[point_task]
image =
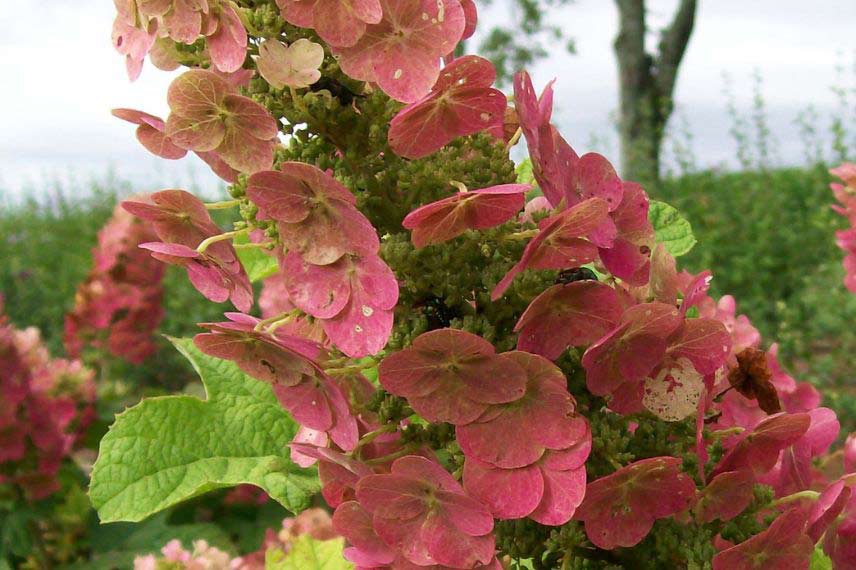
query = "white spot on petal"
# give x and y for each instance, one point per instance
(358, 329)
(397, 74)
(367, 311)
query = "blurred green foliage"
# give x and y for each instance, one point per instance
(46, 252)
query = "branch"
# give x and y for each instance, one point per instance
(633, 63)
(673, 46)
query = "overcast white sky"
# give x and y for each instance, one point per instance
(61, 77)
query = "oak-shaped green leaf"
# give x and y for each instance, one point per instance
(309, 554)
(169, 449)
(671, 229)
(258, 263)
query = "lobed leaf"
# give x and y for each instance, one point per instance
(169, 449)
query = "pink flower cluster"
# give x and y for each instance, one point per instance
(202, 557)
(119, 305)
(45, 407)
(139, 24)
(332, 270)
(524, 443)
(846, 239)
(598, 216)
(315, 523)
(397, 44)
(228, 131)
(779, 450)
(182, 223)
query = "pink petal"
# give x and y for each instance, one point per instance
(228, 45)
(576, 314)
(563, 493)
(508, 493)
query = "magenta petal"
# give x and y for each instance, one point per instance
(465, 513)
(758, 450)
(344, 431)
(319, 290)
(228, 45)
(480, 209)
(354, 523)
(726, 496)
(307, 402)
(508, 493)
(705, 342)
(576, 314)
(450, 547)
(782, 545)
(460, 103)
(518, 433)
(405, 65)
(563, 493)
(451, 375)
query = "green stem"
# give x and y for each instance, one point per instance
(265, 322)
(514, 139)
(225, 204)
(288, 318)
(807, 494)
(222, 237)
(253, 245)
(373, 435)
(406, 450)
(525, 234)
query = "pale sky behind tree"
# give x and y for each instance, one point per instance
(61, 77)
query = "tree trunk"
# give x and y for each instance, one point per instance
(647, 83)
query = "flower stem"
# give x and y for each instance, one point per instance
(406, 450)
(225, 204)
(525, 234)
(272, 320)
(514, 139)
(459, 185)
(286, 319)
(807, 494)
(373, 435)
(221, 237)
